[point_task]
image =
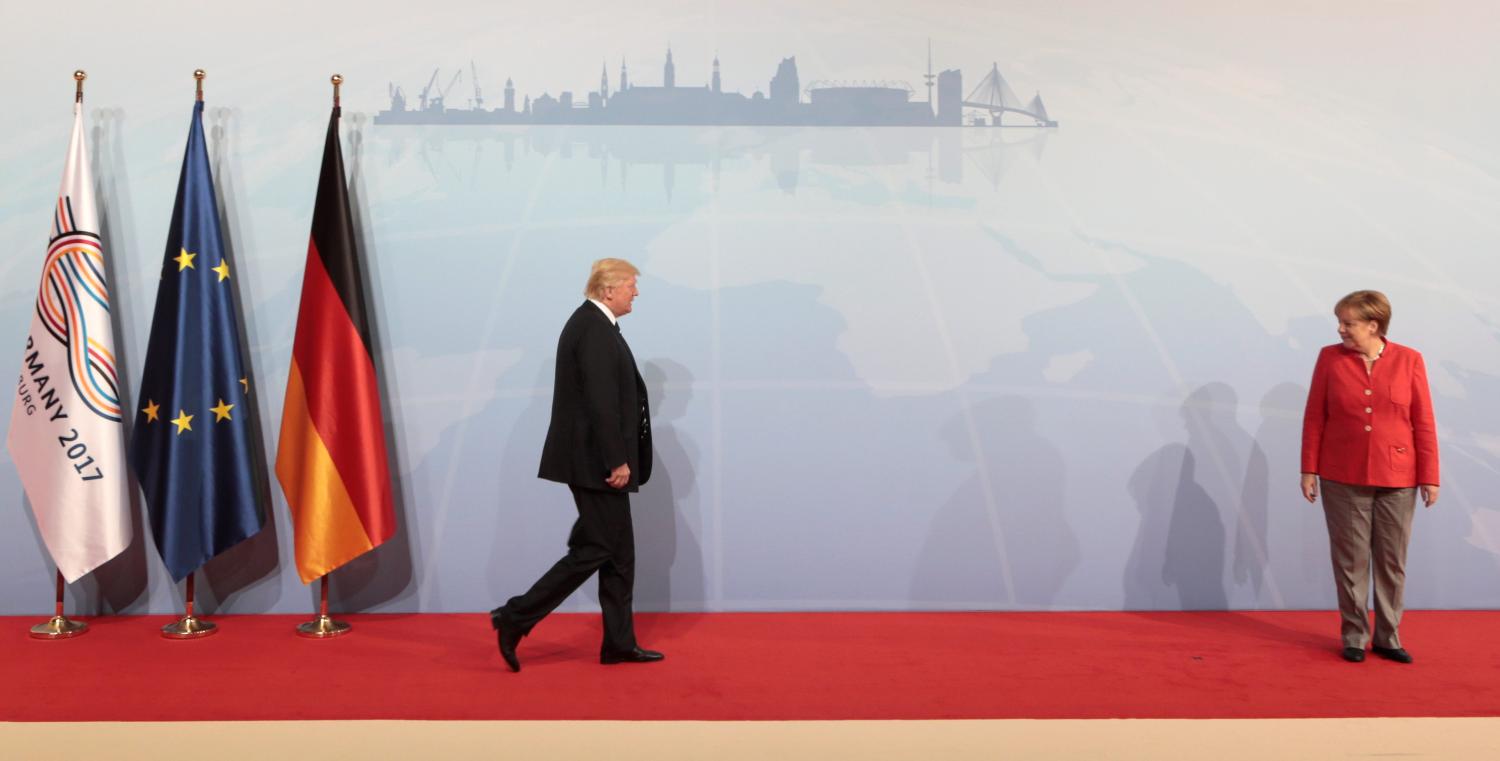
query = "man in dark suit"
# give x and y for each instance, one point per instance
(599, 444)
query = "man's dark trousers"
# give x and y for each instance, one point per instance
(602, 540)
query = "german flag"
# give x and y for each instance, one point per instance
(331, 460)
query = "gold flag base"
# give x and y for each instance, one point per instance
(322, 627)
(59, 627)
(189, 627)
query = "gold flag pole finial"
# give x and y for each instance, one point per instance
(336, 79)
(199, 74)
(79, 76)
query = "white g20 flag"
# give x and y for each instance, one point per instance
(65, 433)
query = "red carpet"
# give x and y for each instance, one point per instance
(757, 666)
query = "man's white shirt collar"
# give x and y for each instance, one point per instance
(611, 315)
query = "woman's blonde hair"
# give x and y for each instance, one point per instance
(606, 273)
(1367, 305)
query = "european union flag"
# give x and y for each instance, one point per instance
(191, 447)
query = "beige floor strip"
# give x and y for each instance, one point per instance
(1223, 739)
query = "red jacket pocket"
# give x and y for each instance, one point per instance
(1401, 459)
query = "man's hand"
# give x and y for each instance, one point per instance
(1429, 494)
(1310, 487)
(619, 478)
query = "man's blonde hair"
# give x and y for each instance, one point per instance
(607, 273)
(1367, 305)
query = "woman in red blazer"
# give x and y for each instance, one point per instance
(1368, 436)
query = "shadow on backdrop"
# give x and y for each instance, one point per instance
(1008, 518)
(1251, 563)
(1295, 528)
(1180, 542)
(668, 510)
(385, 574)
(247, 570)
(1193, 558)
(1153, 487)
(1219, 449)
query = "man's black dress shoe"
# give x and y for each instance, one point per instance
(507, 638)
(1354, 654)
(1397, 654)
(631, 656)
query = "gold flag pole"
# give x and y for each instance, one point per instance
(189, 626)
(60, 626)
(323, 626)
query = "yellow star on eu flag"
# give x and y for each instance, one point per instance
(221, 412)
(246, 383)
(184, 260)
(223, 270)
(151, 409)
(183, 421)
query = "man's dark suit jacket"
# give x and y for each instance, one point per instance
(599, 415)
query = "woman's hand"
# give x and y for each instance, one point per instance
(1310, 487)
(1429, 494)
